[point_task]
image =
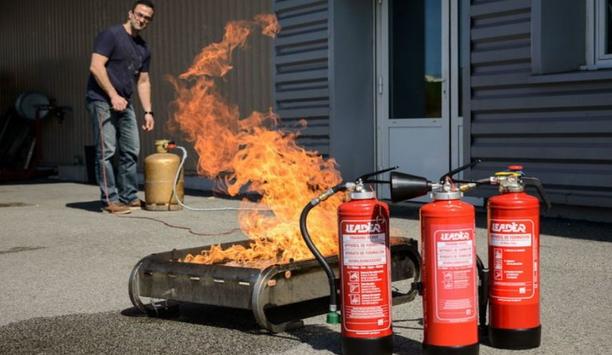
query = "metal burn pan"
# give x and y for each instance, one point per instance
(262, 290)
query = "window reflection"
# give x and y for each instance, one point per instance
(608, 34)
(415, 59)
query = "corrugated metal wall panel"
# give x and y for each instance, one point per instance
(301, 70)
(496, 8)
(46, 46)
(561, 130)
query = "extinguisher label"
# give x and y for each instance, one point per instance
(366, 290)
(365, 250)
(514, 259)
(455, 275)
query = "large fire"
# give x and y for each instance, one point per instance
(253, 155)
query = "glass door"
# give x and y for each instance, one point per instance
(413, 104)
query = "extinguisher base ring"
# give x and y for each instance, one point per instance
(515, 339)
(365, 346)
(472, 349)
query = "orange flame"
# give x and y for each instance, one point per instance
(269, 24)
(254, 156)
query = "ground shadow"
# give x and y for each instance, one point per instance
(213, 316)
(100, 333)
(483, 335)
(317, 336)
(403, 345)
(243, 321)
(401, 323)
(31, 181)
(94, 206)
(91, 206)
(323, 338)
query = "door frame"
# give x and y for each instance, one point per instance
(456, 136)
(449, 120)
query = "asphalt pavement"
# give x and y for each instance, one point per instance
(64, 270)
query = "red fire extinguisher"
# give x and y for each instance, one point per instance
(365, 274)
(448, 262)
(449, 275)
(514, 261)
(365, 269)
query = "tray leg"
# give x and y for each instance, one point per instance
(152, 308)
(260, 299)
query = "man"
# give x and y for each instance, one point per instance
(120, 63)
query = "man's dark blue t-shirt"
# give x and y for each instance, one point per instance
(127, 57)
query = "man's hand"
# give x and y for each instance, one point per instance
(149, 122)
(119, 103)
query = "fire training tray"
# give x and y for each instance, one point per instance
(162, 277)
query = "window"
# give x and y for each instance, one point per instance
(563, 31)
(558, 39)
(599, 34)
(415, 59)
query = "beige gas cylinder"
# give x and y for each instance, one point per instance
(160, 171)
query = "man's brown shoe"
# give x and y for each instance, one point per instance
(134, 204)
(116, 208)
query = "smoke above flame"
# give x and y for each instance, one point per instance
(252, 154)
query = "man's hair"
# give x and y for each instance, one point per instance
(146, 3)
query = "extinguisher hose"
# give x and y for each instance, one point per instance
(332, 316)
(483, 292)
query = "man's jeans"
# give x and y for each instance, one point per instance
(115, 132)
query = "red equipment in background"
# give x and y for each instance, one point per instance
(21, 132)
(449, 275)
(365, 275)
(514, 262)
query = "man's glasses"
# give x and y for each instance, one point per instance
(142, 16)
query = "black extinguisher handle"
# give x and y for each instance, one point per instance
(535, 182)
(366, 178)
(459, 169)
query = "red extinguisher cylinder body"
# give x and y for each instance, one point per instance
(449, 277)
(514, 270)
(365, 275)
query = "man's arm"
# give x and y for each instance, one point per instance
(98, 70)
(144, 94)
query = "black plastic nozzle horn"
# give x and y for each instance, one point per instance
(406, 186)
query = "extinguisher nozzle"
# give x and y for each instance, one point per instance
(333, 318)
(406, 186)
